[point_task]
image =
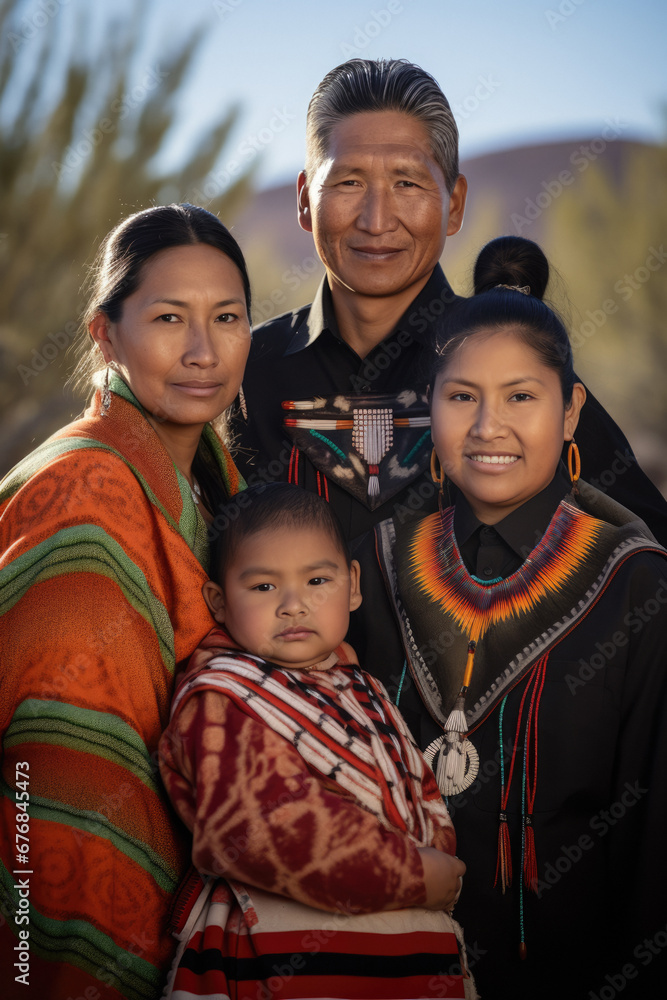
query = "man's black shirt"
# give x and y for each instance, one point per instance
(302, 355)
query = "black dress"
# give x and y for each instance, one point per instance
(583, 737)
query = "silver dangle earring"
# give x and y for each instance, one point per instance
(106, 395)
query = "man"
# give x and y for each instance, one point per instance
(334, 397)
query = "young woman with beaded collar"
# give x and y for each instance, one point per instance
(532, 616)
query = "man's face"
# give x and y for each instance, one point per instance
(378, 206)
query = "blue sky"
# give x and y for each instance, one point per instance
(518, 72)
(515, 72)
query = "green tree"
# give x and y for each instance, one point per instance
(607, 240)
(71, 166)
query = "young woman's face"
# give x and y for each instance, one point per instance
(182, 341)
(498, 422)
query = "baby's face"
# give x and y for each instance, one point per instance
(287, 596)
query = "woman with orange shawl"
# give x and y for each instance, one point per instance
(104, 535)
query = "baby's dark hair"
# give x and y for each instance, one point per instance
(520, 264)
(270, 506)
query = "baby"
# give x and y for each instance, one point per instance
(324, 852)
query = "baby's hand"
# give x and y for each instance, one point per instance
(442, 877)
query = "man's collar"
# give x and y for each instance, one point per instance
(319, 317)
(523, 528)
(420, 319)
(423, 316)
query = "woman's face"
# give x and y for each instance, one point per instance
(182, 341)
(498, 422)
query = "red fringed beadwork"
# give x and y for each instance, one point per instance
(530, 777)
(293, 470)
(504, 862)
(322, 486)
(529, 856)
(531, 695)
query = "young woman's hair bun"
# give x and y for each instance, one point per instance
(510, 278)
(511, 261)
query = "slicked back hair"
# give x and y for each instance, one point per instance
(360, 85)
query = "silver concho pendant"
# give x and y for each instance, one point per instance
(454, 761)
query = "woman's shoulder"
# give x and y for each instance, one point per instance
(63, 463)
(602, 507)
(71, 446)
(97, 468)
(71, 487)
(644, 576)
(635, 554)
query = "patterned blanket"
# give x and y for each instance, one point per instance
(307, 792)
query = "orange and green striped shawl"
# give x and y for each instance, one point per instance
(100, 599)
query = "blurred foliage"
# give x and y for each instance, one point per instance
(485, 219)
(607, 237)
(75, 157)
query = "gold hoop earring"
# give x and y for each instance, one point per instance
(435, 462)
(573, 463)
